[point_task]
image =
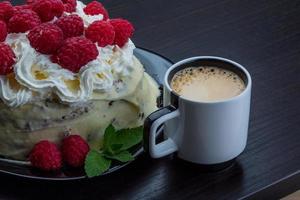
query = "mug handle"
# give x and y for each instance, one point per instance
(151, 125)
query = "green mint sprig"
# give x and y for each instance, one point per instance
(115, 147)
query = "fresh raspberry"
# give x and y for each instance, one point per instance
(101, 32)
(70, 5)
(74, 150)
(6, 10)
(3, 31)
(30, 2)
(48, 9)
(7, 59)
(75, 53)
(71, 25)
(124, 30)
(46, 156)
(46, 38)
(96, 8)
(22, 21)
(21, 7)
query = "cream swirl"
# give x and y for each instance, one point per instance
(87, 19)
(36, 72)
(13, 97)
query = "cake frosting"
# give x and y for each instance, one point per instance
(39, 78)
(87, 19)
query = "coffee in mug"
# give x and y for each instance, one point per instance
(207, 83)
(206, 112)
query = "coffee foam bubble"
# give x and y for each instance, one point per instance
(207, 83)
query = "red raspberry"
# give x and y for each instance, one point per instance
(48, 9)
(74, 150)
(7, 59)
(101, 32)
(30, 1)
(21, 7)
(96, 8)
(70, 5)
(46, 156)
(71, 25)
(23, 20)
(124, 30)
(3, 31)
(6, 10)
(75, 53)
(46, 38)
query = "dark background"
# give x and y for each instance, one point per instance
(264, 36)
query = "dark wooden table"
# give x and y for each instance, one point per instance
(264, 36)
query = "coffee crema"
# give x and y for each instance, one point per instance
(207, 83)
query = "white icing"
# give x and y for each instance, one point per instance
(87, 19)
(101, 75)
(11, 97)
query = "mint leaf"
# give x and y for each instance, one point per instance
(128, 137)
(116, 147)
(96, 164)
(109, 135)
(123, 156)
(118, 141)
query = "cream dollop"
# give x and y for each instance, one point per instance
(106, 77)
(87, 19)
(11, 96)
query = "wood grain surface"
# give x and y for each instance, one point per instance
(293, 196)
(264, 36)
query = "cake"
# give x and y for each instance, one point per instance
(71, 71)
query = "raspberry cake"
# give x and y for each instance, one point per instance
(67, 68)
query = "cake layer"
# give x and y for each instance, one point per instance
(26, 125)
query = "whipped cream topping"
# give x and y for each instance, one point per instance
(87, 19)
(36, 77)
(13, 97)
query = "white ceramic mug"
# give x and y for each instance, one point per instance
(205, 133)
